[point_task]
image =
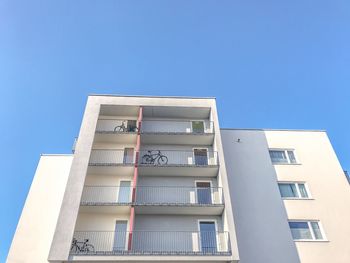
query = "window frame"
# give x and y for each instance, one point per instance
(285, 150)
(313, 238)
(299, 197)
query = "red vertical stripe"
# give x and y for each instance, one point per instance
(132, 211)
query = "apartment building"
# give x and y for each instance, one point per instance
(147, 182)
(155, 179)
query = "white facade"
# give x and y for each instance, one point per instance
(262, 215)
(148, 182)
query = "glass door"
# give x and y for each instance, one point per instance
(120, 235)
(203, 193)
(124, 192)
(128, 155)
(208, 237)
(131, 127)
(197, 126)
(200, 156)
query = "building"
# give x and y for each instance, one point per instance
(289, 195)
(155, 179)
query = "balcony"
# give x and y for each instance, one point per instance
(107, 129)
(198, 132)
(160, 243)
(111, 161)
(116, 199)
(179, 200)
(199, 162)
(154, 200)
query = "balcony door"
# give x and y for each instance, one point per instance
(197, 126)
(131, 126)
(203, 192)
(208, 236)
(200, 156)
(120, 236)
(128, 156)
(124, 192)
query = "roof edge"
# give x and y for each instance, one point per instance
(148, 96)
(269, 129)
(56, 154)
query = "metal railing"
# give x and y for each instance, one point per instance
(178, 195)
(116, 126)
(177, 126)
(152, 195)
(178, 158)
(196, 157)
(151, 243)
(111, 157)
(94, 195)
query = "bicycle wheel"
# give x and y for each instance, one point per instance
(162, 160)
(118, 128)
(146, 159)
(74, 249)
(89, 248)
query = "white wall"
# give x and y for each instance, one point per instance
(262, 229)
(36, 226)
(320, 169)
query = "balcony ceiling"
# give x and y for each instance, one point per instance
(119, 110)
(176, 112)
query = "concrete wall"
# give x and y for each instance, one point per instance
(36, 227)
(261, 222)
(319, 167)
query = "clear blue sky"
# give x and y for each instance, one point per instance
(271, 64)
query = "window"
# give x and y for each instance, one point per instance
(282, 156)
(198, 126)
(293, 190)
(306, 230)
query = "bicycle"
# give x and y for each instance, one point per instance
(154, 158)
(83, 247)
(124, 128)
(121, 128)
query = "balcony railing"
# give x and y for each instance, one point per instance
(116, 126)
(151, 243)
(104, 195)
(166, 195)
(152, 195)
(181, 127)
(197, 157)
(111, 157)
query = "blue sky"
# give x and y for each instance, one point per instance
(271, 64)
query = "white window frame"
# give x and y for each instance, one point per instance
(211, 189)
(313, 239)
(118, 189)
(216, 233)
(200, 148)
(285, 150)
(299, 197)
(127, 232)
